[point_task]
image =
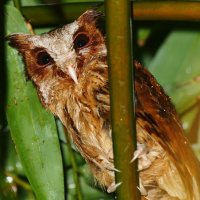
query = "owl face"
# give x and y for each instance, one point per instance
(62, 54)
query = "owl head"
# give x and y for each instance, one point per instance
(62, 53)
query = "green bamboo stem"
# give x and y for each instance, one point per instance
(50, 15)
(167, 10)
(19, 181)
(55, 14)
(121, 81)
(17, 4)
(74, 167)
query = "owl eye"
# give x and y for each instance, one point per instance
(43, 58)
(81, 40)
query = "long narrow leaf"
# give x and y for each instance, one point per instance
(32, 128)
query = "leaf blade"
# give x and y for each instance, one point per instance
(32, 128)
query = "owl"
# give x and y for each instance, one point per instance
(69, 68)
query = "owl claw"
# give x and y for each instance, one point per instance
(113, 187)
(113, 169)
(140, 150)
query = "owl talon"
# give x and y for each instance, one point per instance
(113, 187)
(110, 155)
(140, 150)
(113, 169)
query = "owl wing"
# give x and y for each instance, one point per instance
(153, 106)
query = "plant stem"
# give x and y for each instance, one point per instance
(19, 181)
(74, 166)
(121, 81)
(17, 4)
(167, 10)
(49, 15)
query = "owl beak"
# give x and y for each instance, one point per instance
(72, 73)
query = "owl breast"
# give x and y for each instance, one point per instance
(85, 111)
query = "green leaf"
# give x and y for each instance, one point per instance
(176, 67)
(33, 129)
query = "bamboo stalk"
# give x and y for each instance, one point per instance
(17, 4)
(19, 181)
(54, 14)
(167, 10)
(121, 81)
(50, 15)
(74, 167)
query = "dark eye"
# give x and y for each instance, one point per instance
(81, 40)
(43, 58)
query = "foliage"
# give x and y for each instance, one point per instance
(169, 49)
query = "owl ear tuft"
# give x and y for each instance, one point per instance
(19, 41)
(91, 15)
